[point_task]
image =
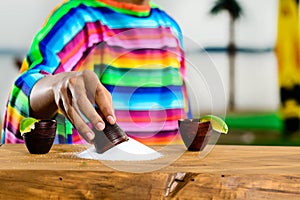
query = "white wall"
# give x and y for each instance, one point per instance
(20, 21)
(256, 29)
(256, 73)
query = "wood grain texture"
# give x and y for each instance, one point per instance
(228, 172)
(237, 186)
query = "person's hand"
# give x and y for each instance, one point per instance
(74, 94)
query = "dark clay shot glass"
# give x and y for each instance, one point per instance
(41, 138)
(111, 136)
(195, 134)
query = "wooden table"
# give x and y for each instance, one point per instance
(228, 172)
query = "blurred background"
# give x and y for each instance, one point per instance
(243, 61)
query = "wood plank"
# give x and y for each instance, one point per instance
(236, 186)
(42, 184)
(222, 160)
(229, 172)
(117, 185)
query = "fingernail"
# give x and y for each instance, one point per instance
(111, 119)
(90, 135)
(100, 126)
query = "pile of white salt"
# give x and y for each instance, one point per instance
(130, 150)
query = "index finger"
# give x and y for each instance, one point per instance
(103, 100)
(90, 112)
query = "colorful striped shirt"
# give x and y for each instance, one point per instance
(137, 52)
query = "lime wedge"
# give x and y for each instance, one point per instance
(27, 124)
(217, 123)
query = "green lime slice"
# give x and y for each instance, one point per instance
(217, 123)
(27, 124)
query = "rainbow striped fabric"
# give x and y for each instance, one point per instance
(136, 51)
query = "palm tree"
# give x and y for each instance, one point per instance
(235, 11)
